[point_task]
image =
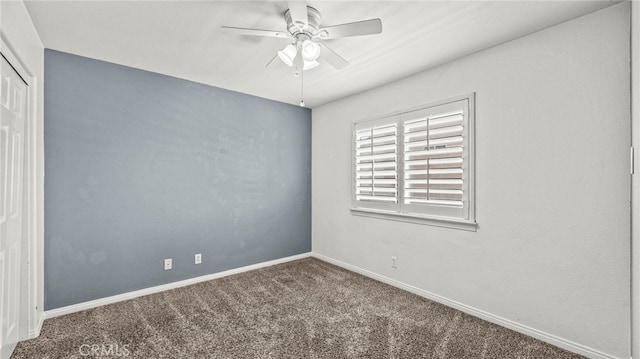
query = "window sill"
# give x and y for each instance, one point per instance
(417, 219)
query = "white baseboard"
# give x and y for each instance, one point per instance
(161, 288)
(546, 337)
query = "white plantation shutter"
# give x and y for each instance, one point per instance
(376, 167)
(434, 160)
(417, 163)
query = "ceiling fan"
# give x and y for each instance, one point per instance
(303, 28)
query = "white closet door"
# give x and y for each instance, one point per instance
(13, 107)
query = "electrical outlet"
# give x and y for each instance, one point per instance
(168, 263)
(198, 258)
(394, 262)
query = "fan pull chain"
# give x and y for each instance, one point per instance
(302, 88)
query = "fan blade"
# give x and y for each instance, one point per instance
(366, 27)
(298, 12)
(332, 57)
(254, 32)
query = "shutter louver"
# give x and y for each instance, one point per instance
(433, 159)
(376, 163)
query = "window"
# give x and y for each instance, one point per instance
(417, 165)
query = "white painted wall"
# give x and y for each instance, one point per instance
(552, 185)
(19, 33)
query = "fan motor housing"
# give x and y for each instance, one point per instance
(313, 20)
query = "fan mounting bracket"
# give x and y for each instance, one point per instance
(313, 23)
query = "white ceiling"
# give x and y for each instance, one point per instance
(181, 38)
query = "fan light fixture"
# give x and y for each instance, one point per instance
(310, 53)
(288, 54)
(310, 50)
(308, 65)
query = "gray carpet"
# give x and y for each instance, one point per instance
(302, 309)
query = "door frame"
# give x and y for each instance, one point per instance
(31, 259)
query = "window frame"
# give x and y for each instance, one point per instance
(451, 217)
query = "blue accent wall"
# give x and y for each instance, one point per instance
(141, 166)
